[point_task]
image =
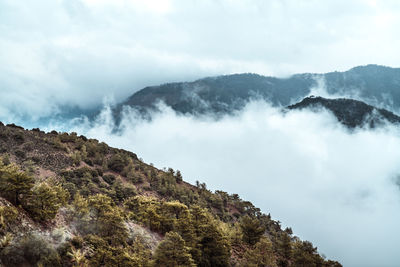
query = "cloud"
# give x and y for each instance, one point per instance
(334, 187)
(75, 52)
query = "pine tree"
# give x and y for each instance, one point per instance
(172, 251)
(261, 255)
(252, 229)
(140, 252)
(15, 185)
(178, 177)
(45, 201)
(212, 248)
(107, 219)
(284, 249)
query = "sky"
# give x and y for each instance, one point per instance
(57, 53)
(333, 187)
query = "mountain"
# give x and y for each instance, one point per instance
(376, 85)
(66, 200)
(352, 113)
(222, 94)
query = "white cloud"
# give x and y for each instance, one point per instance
(76, 52)
(336, 188)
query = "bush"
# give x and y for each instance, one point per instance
(20, 154)
(31, 250)
(109, 179)
(66, 138)
(12, 256)
(19, 137)
(28, 146)
(4, 134)
(116, 163)
(77, 241)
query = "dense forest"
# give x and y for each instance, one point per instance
(66, 200)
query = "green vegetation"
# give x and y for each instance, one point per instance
(15, 185)
(72, 201)
(172, 251)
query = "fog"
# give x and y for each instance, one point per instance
(74, 52)
(334, 187)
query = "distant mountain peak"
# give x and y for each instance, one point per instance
(352, 113)
(371, 67)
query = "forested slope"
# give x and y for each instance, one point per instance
(71, 201)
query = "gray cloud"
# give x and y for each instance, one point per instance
(335, 188)
(76, 52)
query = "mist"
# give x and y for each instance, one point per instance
(335, 187)
(72, 53)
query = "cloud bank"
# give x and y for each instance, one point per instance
(56, 53)
(334, 187)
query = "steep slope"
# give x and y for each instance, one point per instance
(349, 112)
(66, 200)
(376, 85)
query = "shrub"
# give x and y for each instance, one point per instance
(20, 154)
(19, 137)
(116, 163)
(109, 179)
(28, 146)
(8, 215)
(31, 250)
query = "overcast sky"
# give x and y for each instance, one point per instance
(76, 52)
(58, 53)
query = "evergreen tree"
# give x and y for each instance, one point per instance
(140, 252)
(46, 200)
(107, 220)
(212, 248)
(252, 229)
(178, 176)
(261, 255)
(284, 249)
(172, 252)
(305, 255)
(15, 185)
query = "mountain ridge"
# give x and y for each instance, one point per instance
(374, 84)
(351, 113)
(79, 202)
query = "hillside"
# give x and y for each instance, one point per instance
(221, 94)
(351, 113)
(376, 85)
(71, 201)
(216, 96)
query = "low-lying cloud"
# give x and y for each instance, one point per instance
(74, 52)
(334, 187)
